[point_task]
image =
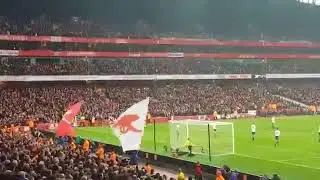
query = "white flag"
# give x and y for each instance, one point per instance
(129, 126)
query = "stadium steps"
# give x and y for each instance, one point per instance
(292, 101)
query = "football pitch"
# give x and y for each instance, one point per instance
(297, 157)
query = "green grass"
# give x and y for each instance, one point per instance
(297, 157)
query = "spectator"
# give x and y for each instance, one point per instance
(148, 168)
(264, 177)
(86, 146)
(234, 175)
(134, 158)
(180, 175)
(219, 175)
(100, 152)
(198, 171)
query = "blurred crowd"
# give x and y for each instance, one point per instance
(73, 26)
(49, 103)
(31, 156)
(77, 26)
(11, 66)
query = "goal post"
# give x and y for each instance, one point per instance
(207, 137)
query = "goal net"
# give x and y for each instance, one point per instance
(206, 137)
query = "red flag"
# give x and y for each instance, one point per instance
(65, 125)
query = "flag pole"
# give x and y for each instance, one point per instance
(154, 87)
(209, 142)
(154, 136)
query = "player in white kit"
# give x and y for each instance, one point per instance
(277, 137)
(253, 131)
(177, 137)
(214, 127)
(178, 132)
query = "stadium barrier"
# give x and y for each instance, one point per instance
(42, 78)
(46, 126)
(292, 76)
(106, 54)
(159, 119)
(163, 119)
(37, 78)
(161, 41)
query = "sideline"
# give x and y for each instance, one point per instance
(281, 161)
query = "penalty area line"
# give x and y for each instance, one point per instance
(280, 162)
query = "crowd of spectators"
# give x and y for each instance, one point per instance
(49, 103)
(26, 155)
(192, 99)
(10, 66)
(308, 96)
(77, 26)
(73, 26)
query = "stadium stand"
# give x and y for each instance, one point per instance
(102, 103)
(27, 66)
(25, 156)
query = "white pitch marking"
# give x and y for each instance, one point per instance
(281, 162)
(293, 159)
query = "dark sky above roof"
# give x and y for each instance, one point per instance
(146, 9)
(220, 16)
